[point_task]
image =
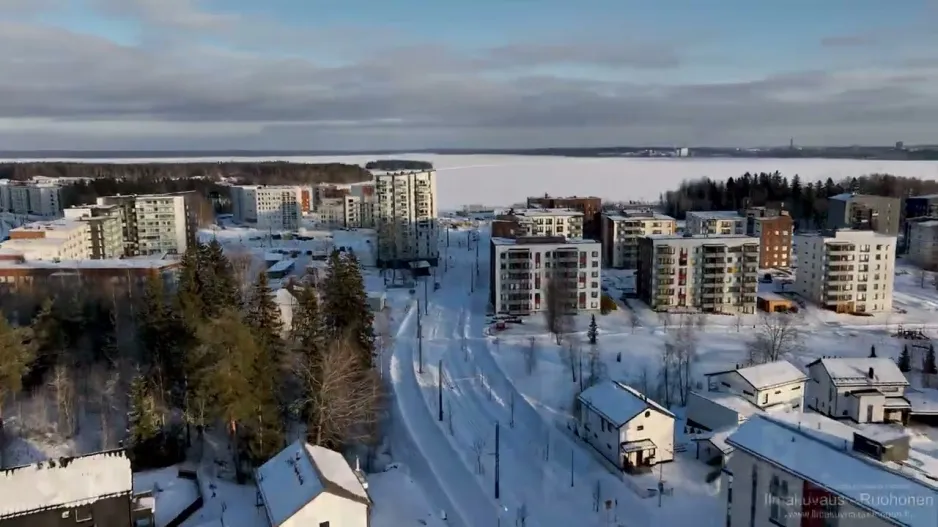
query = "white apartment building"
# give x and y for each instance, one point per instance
(846, 271)
(713, 274)
(274, 207)
(31, 198)
(351, 208)
(51, 240)
(621, 232)
(922, 242)
(155, 223)
(715, 222)
(406, 218)
(104, 221)
(522, 267)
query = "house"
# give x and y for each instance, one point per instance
(763, 385)
(306, 485)
(625, 426)
(865, 390)
(803, 468)
(95, 489)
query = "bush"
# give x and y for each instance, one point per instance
(607, 304)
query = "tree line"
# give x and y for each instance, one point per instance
(158, 370)
(398, 164)
(806, 202)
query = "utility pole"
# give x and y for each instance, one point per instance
(497, 466)
(419, 340)
(660, 483)
(439, 388)
(477, 254)
(447, 235)
(426, 297)
(472, 282)
(571, 467)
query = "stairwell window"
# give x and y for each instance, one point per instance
(778, 493)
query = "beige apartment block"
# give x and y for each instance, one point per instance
(848, 271)
(522, 267)
(715, 222)
(711, 274)
(153, 224)
(406, 218)
(51, 240)
(274, 207)
(107, 240)
(622, 231)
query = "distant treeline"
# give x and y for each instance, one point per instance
(806, 202)
(392, 165)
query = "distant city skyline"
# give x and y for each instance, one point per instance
(416, 74)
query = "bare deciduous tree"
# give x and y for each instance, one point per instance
(665, 318)
(739, 321)
(777, 335)
(634, 321)
(382, 329)
(242, 265)
(478, 450)
(667, 372)
(569, 359)
(64, 392)
(558, 294)
(530, 356)
(685, 346)
(644, 382)
(597, 369)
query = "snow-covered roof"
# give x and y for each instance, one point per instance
(64, 482)
(763, 376)
(732, 402)
(618, 402)
(716, 214)
(818, 449)
(301, 472)
(855, 371)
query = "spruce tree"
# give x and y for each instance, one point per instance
(873, 352)
(593, 333)
(16, 354)
(930, 366)
(905, 360)
(142, 420)
(220, 289)
(345, 304)
(263, 316)
(49, 339)
(189, 287)
(307, 333)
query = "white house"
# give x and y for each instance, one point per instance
(763, 385)
(802, 468)
(306, 485)
(625, 426)
(866, 390)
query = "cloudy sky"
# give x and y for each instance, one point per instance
(398, 74)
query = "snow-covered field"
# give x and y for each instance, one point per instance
(507, 179)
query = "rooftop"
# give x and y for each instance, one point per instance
(534, 212)
(50, 225)
(854, 371)
(732, 401)
(763, 376)
(819, 450)
(716, 214)
(64, 482)
(846, 235)
(618, 402)
(637, 215)
(716, 238)
(77, 265)
(847, 196)
(534, 241)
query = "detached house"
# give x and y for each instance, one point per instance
(306, 485)
(865, 390)
(625, 426)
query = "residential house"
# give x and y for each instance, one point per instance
(626, 427)
(864, 390)
(312, 486)
(805, 469)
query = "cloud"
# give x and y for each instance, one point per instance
(849, 41)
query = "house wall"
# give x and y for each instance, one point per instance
(827, 399)
(653, 425)
(338, 511)
(604, 438)
(805, 503)
(110, 512)
(857, 407)
(710, 414)
(732, 382)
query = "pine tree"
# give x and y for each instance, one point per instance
(263, 316)
(189, 288)
(308, 332)
(905, 360)
(593, 333)
(16, 354)
(930, 366)
(873, 352)
(49, 339)
(345, 304)
(220, 289)
(142, 420)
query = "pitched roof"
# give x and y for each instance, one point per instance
(818, 449)
(301, 472)
(854, 371)
(762, 376)
(618, 402)
(64, 482)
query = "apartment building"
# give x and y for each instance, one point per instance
(712, 274)
(406, 218)
(775, 235)
(715, 222)
(104, 222)
(922, 242)
(31, 198)
(591, 207)
(51, 240)
(349, 208)
(621, 232)
(522, 267)
(864, 212)
(538, 222)
(847, 271)
(155, 223)
(274, 207)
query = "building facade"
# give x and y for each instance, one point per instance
(521, 269)
(846, 271)
(621, 232)
(31, 198)
(51, 240)
(775, 234)
(715, 223)
(567, 223)
(864, 390)
(864, 212)
(406, 218)
(712, 274)
(153, 224)
(591, 207)
(922, 242)
(104, 222)
(273, 207)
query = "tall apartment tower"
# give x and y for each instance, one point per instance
(274, 207)
(156, 223)
(406, 218)
(30, 198)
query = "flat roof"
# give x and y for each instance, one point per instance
(76, 265)
(637, 215)
(772, 296)
(61, 224)
(717, 214)
(528, 241)
(702, 237)
(547, 212)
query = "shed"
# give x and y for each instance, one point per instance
(774, 303)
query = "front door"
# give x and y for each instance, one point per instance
(869, 413)
(638, 458)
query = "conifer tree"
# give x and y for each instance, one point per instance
(593, 333)
(873, 352)
(930, 366)
(905, 360)
(220, 290)
(345, 304)
(142, 420)
(16, 354)
(189, 288)
(263, 316)
(49, 339)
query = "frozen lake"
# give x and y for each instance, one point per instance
(504, 179)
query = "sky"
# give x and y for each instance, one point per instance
(423, 74)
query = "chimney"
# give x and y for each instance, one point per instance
(870, 373)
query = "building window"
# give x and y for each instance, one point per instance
(753, 496)
(778, 494)
(640, 428)
(83, 514)
(323, 524)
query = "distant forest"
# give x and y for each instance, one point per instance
(806, 202)
(108, 179)
(398, 164)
